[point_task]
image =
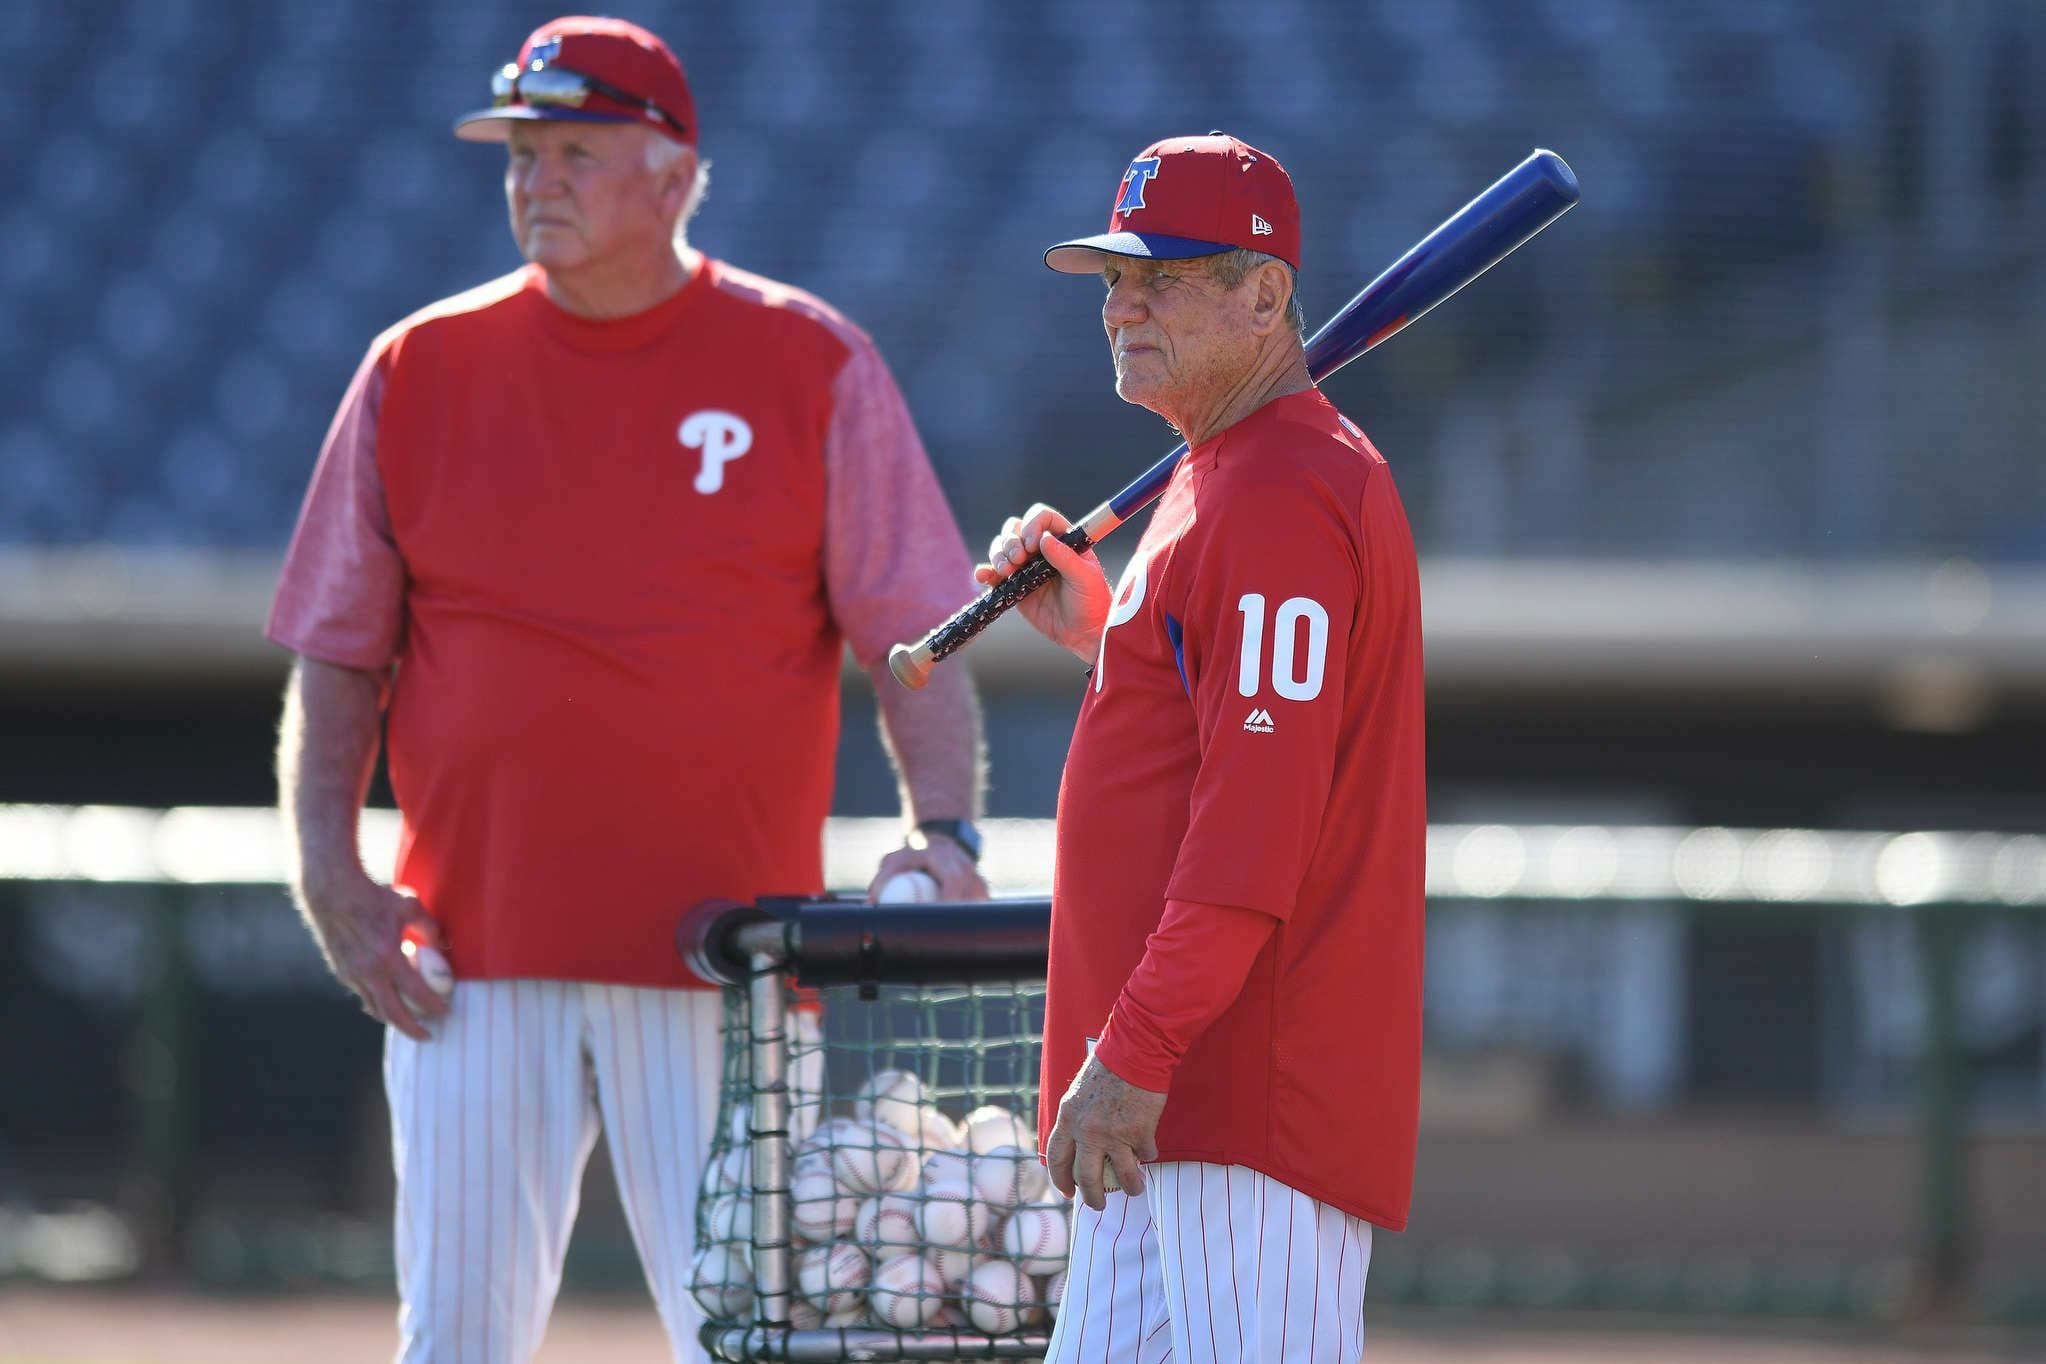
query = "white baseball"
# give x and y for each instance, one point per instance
(834, 1277)
(861, 1154)
(730, 1173)
(803, 1314)
(730, 1218)
(829, 1136)
(953, 1264)
(907, 888)
(887, 1225)
(818, 1209)
(927, 1130)
(876, 1160)
(851, 1316)
(1009, 1175)
(1036, 1236)
(992, 1125)
(951, 1218)
(946, 1167)
(908, 1291)
(885, 1093)
(431, 965)
(722, 1282)
(998, 1298)
(1055, 1291)
(940, 1133)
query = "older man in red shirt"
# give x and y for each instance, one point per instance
(1232, 1041)
(585, 547)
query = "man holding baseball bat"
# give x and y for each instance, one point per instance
(1234, 1016)
(584, 550)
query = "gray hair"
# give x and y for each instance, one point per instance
(1232, 267)
(661, 153)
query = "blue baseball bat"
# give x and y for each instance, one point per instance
(1475, 238)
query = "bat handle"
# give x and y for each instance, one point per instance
(912, 663)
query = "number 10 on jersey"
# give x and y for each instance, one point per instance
(1303, 685)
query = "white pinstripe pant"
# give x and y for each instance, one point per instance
(1213, 1264)
(491, 1124)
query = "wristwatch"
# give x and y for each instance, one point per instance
(960, 831)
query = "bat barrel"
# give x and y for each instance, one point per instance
(1482, 233)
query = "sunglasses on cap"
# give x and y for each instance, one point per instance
(544, 86)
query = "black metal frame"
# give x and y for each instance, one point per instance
(843, 941)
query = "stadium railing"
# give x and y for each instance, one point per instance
(118, 926)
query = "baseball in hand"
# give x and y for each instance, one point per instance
(430, 964)
(907, 888)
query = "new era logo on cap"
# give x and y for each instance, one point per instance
(1193, 196)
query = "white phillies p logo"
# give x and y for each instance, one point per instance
(1129, 597)
(722, 437)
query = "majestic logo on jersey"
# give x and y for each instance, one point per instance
(1259, 721)
(1259, 227)
(722, 437)
(1129, 595)
(1141, 171)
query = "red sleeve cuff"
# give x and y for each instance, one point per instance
(1193, 968)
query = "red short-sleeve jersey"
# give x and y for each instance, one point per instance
(1252, 736)
(615, 566)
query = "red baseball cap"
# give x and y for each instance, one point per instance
(1193, 196)
(588, 70)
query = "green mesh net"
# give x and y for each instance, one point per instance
(916, 1199)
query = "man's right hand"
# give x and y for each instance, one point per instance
(360, 926)
(1071, 611)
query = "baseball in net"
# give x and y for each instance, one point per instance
(873, 1189)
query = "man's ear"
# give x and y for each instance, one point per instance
(677, 179)
(1274, 291)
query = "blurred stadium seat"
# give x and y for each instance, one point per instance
(241, 195)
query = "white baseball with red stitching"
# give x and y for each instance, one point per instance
(1036, 1237)
(834, 1277)
(908, 1291)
